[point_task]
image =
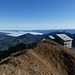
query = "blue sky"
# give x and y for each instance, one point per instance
(37, 14)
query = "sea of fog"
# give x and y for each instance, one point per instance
(16, 33)
(19, 33)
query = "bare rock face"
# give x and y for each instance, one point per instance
(46, 58)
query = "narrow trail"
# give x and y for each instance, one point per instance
(12, 55)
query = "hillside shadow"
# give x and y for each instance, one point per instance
(69, 62)
(15, 51)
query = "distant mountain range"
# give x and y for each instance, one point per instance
(39, 32)
(7, 40)
(72, 31)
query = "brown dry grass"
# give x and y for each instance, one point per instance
(47, 58)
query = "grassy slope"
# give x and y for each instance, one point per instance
(47, 58)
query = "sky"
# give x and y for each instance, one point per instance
(37, 14)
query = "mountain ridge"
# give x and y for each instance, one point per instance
(45, 58)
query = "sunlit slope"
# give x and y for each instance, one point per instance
(47, 58)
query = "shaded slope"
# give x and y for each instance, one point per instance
(47, 58)
(7, 41)
(30, 38)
